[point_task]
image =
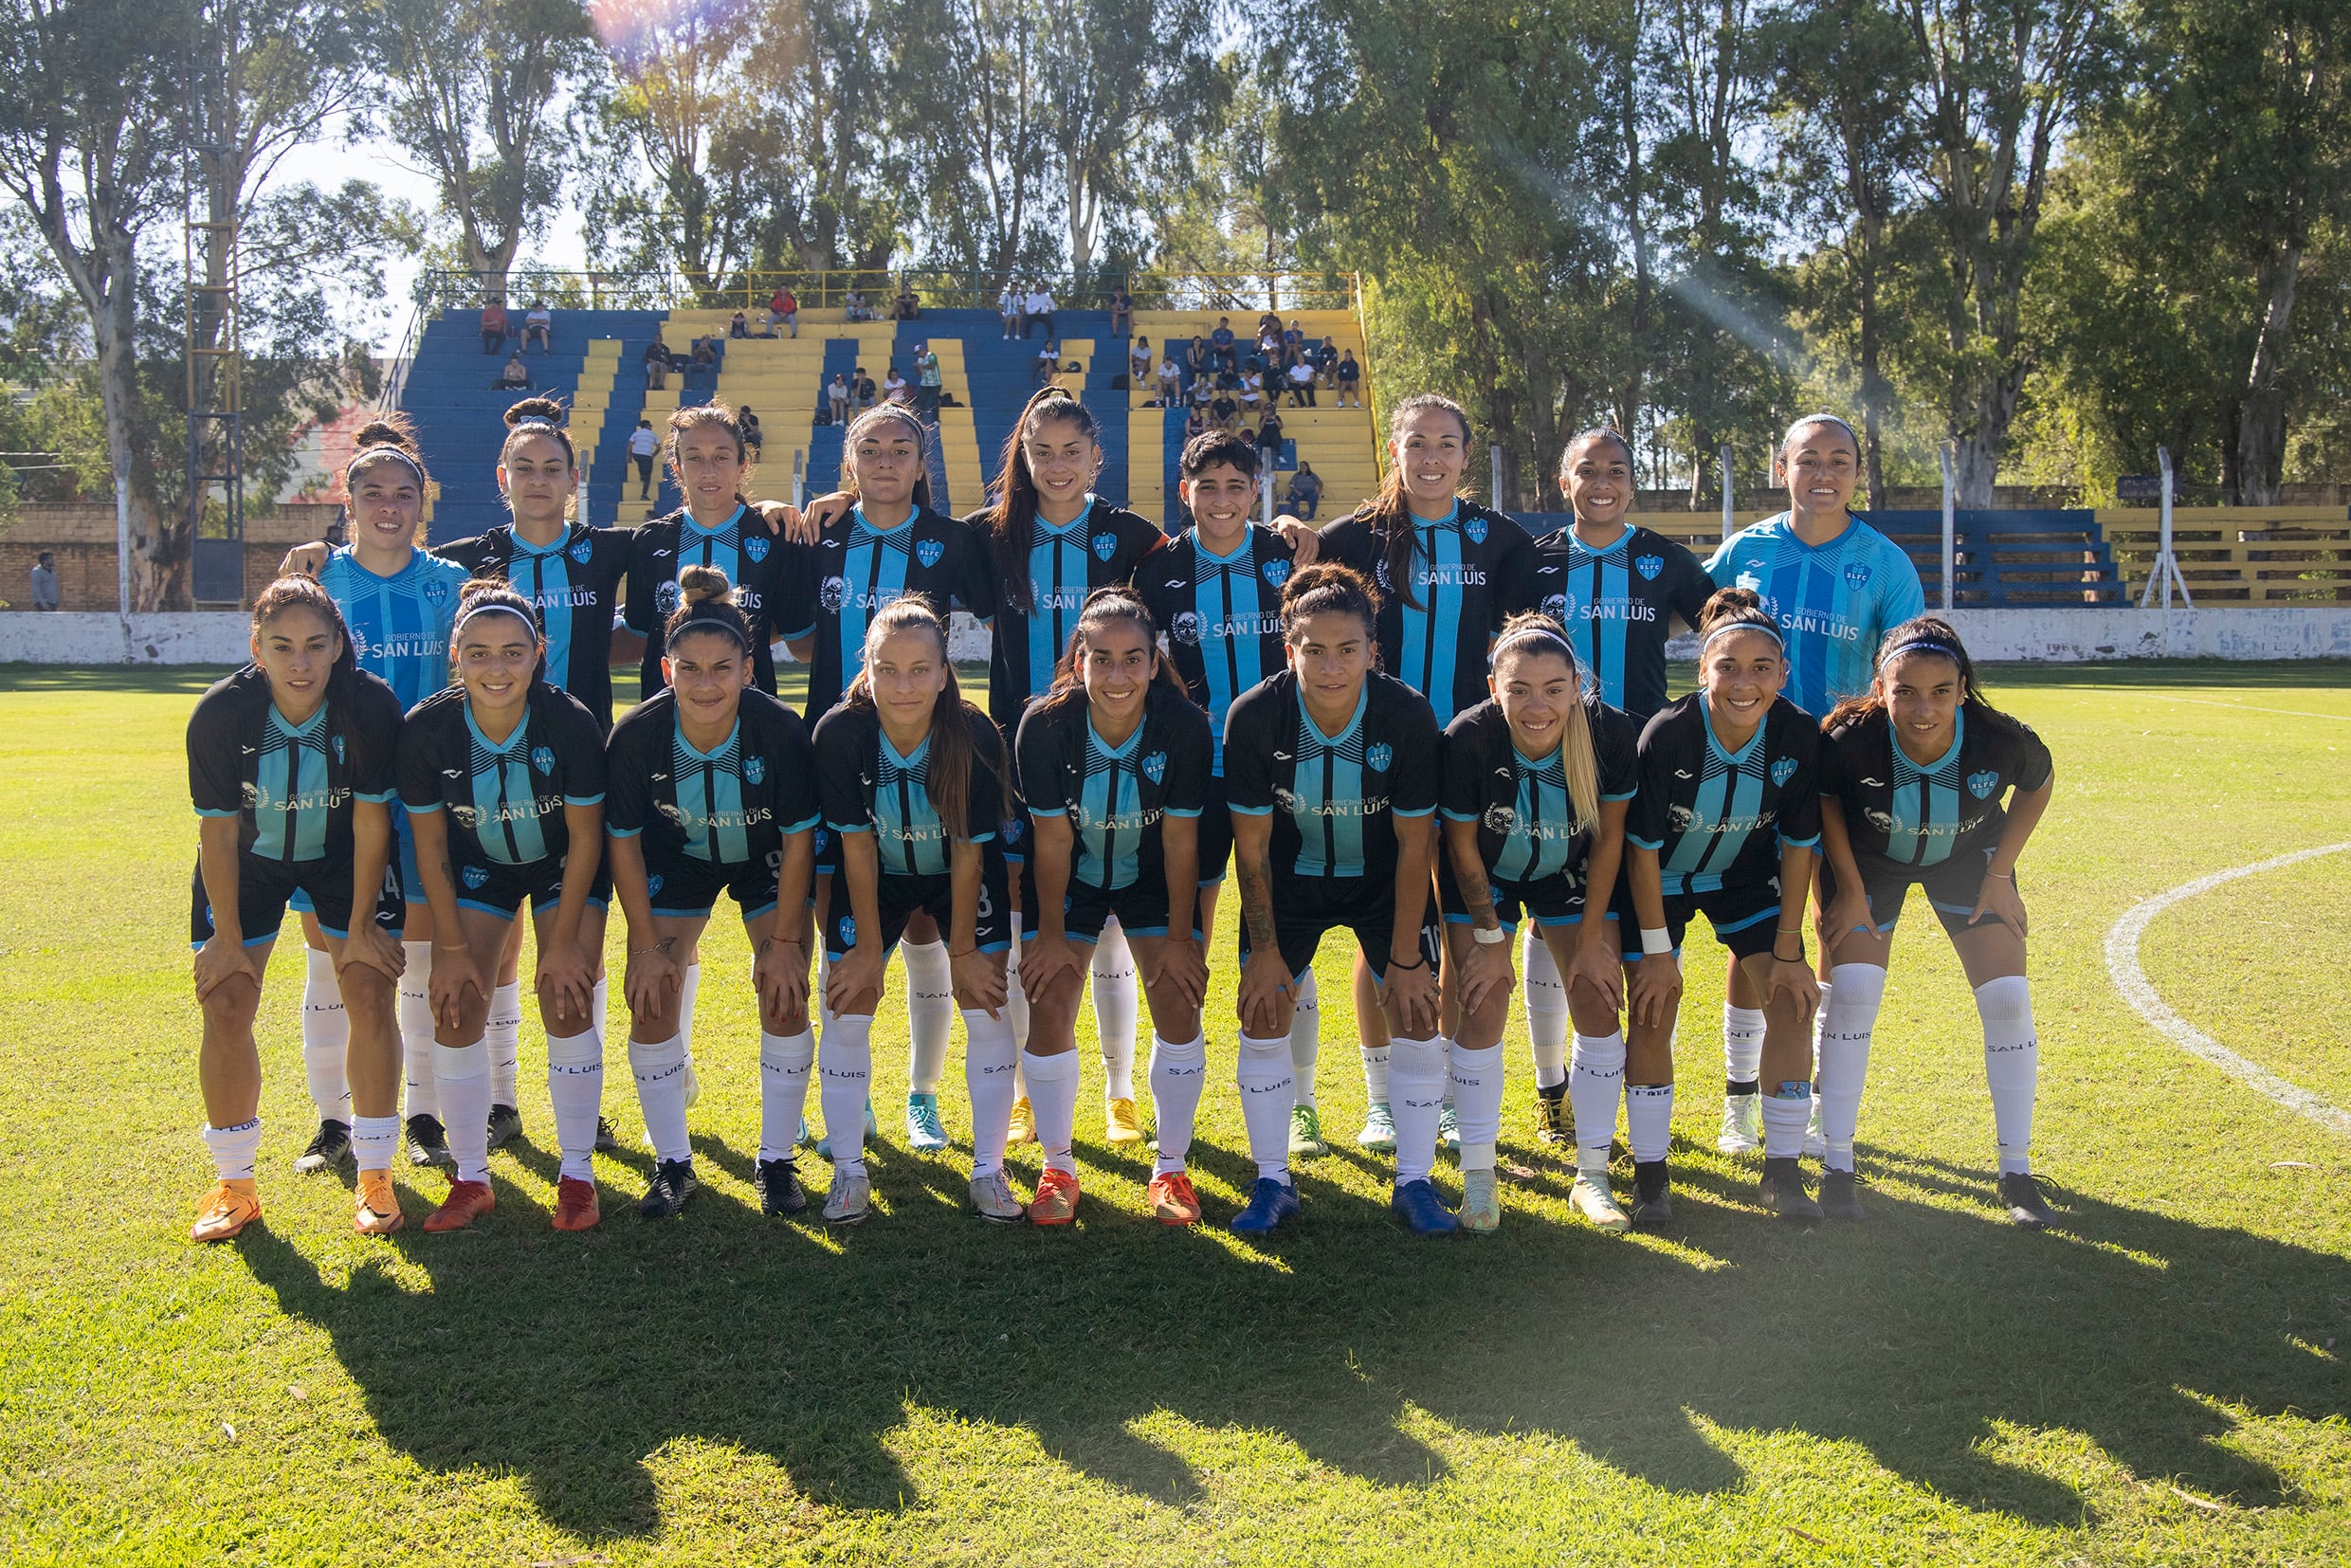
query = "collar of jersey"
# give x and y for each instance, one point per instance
(1714, 743)
(857, 514)
(522, 731)
(1240, 552)
(563, 541)
(1623, 545)
(1533, 764)
(1076, 524)
(1450, 519)
(351, 553)
(1901, 758)
(685, 520)
(907, 761)
(1362, 701)
(1784, 526)
(1123, 747)
(285, 728)
(734, 733)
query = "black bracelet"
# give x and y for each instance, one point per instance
(1422, 963)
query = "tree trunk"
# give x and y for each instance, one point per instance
(2261, 420)
(158, 546)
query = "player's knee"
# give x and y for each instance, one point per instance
(234, 1003)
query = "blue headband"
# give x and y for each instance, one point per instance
(1920, 645)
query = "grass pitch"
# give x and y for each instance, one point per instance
(2164, 1381)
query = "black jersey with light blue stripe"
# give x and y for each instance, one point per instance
(290, 786)
(504, 799)
(1717, 818)
(860, 569)
(574, 583)
(731, 805)
(1468, 570)
(771, 576)
(1098, 547)
(1618, 606)
(1222, 616)
(868, 786)
(1332, 796)
(1526, 820)
(1115, 796)
(1924, 813)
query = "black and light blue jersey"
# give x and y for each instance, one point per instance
(1115, 796)
(1469, 568)
(1222, 615)
(1924, 813)
(868, 786)
(1720, 819)
(1098, 547)
(1527, 828)
(504, 799)
(731, 805)
(860, 569)
(1618, 606)
(400, 624)
(771, 576)
(291, 785)
(1332, 796)
(574, 583)
(1834, 602)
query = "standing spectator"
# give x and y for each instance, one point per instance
(1306, 493)
(540, 323)
(926, 380)
(837, 395)
(1221, 342)
(1139, 362)
(1121, 312)
(1171, 381)
(656, 363)
(1270, 445)
(1268, 322)
(894, 386)
(739, 327)
(644, 446)
(863, 390)
(494, 326)
(1350, 375)
(909, 302)
(1041, 307)
(1302, 382)
(1011, 305)
(783, 305)
(45, 581)
(747, 424)
(1048, 361)
(516, 375)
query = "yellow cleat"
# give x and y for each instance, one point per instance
(1119, 1125)
(1023, 1121)
(378, 1212)
(228, 1208)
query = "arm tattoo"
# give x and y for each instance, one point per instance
(1475, 891)
(1257, 902)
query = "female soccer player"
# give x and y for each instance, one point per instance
(1349, 757)
(1448, 571)
(711, 785)
(502, 776)
(1536, 782)
(1724, 826)
(1912, 777)
(912, 780)
(1114, 762)
(290, 764)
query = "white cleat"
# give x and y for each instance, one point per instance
(849, 1198)
(1592, 1200)
(1814, 1144)
(1742, 1124)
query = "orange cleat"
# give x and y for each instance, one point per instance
(1056, 1202)
(467, 1201)
(576, 1204)
(1171, 1199)
(228, 1208)
(378, 1211)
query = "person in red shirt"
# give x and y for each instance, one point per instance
(494, 326)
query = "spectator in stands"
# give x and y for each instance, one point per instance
(1302, 382)
(1252, 393)
(747, 423)
(1270, 336)
(861, 390)
(837, 395)
(1304, 494)
(1325, 357)
(1195, 425)
(1203, 392)
(1049, 362)
(927, 381)
(45, 581)
(1121, 312)
(1010, 304)
(516, 375)
(739, 327)
(1350, 377)
(783, 305)
(894, 386)
(644, 446)
(540, 323)
(1268, 322)
(1293, 339)
(910, 304)
(1041, 308)
(854, 307)
(1195, 359)
(656, 363)
(1171, 381)
(705, 356)
(1221, 341)
(1270, 445)
(1139, 362)
(1223, 409)
(494, 326)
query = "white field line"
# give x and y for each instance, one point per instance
(2122, 964)
(2248, 707)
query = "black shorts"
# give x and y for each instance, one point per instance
(1216, 832)
(685, 887)
(265, 888)
(900, 896)
(1745, 918)
(501, 889)
(1139, 907)
(1952, 888)
(1307, 908)
(1552, 901)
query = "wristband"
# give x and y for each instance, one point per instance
(965, 953)
(1654, 940)
(2004, 875)
(1488, 936)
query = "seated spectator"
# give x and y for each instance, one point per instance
(1203, 392)
(541, 323)
(1195, 359)
(1049, 362)
(705, 353)
(1304, 494)
(1221, 342)
(493, 326)
(1350, 377)
(1171, 381)
(1195, 425)
(909, 304)
(644, 446)
(1292, 338)
(1270, 445)
(748, 422)
(783, 305)
(894, 387)
(1121, 312)
(1301, 383)
(1270, 341)
(1324, 356)
(854, 308)
(1223, 409)
(516, 374)
(861, 390)
(837, 395)
(1041, 308)
(656, 363)
(1252, 391)
(1268, 322)
(1139, 362)
(1227, 380)
(739, 326)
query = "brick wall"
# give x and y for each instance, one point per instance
(82, 537)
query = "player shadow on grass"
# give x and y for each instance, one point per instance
(573, 1361)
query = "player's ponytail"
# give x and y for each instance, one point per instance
(1919, 634)
(1735, 610)
(493, 596)
(1532, 635)
(300, 591)
(1328, 587)
(1103, 607)
(387, 438)
(955, 724)
(1390, 513)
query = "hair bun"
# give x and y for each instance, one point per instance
(388, 431)
(702, 584)
(534, 407)
(1730, 603)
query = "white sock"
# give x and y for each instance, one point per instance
(1305, 1040)
(1820, 1015)
(2011, 1064)
(416, 1041)
(930, 1013)
(1787, 1111)
(1053, 1098)
(326, 1036)
(1376, 1074)
(659, 1067)
(373, 1140)
(845, 1077)
(1595, 1085)
(1262, 1072)
(1416, 1085)
(460, 1074)
(233, 1149)
(502, 1034)
(990, 1063)
(1475, 1077)
(1179, 1072)
(1649, 1121)
(576, 1083)
(1017, 1010)
(1846, 1025)
(1743, 1042)
(1546, 1009)
(595, 1006)
(784, 1064)
(1113, 970)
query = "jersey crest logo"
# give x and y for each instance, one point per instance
(1783, 770)
(1981, 785)
(1856, 576)
(754, 768)
(1500, 819)
(1475, 530)
(1649, 566)
(582, 551)
(1155, 767)
(756, 547)
(831, 594)
(476, 875)
(543, 758)
(653, 884)
(665, 598)
(336, 742)
(436, 592)
(1377, 757)
(1186, 628)
(1276, 572)
(928, 551)
(1556, 607)
(1105, 546)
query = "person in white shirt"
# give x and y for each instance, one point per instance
(643, 445)
(1049, 362)
(1041, 306)
(1138, 360)
(894, 387)
(1171, 382)
(1301, 384)
(838, 395)
(540, 323)
(1009, 306)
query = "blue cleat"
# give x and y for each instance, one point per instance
(1423, 1211)
(873, 1133)
(926, 1133)
(1270, 1203)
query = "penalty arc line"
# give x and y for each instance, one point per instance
(2131, 980)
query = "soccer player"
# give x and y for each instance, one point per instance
(1114, 762)
(1216, 592)
(1448, 572)
(502, 776)
(711, 785)
(1537, 781)
(1725, 825)
(912, 781)
(1912, 778)
(290, 765)
(1331, 774)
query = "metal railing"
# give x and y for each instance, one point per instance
(831, 289)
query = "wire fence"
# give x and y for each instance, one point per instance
(880, 290)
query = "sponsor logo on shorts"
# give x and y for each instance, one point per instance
(476, 875)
